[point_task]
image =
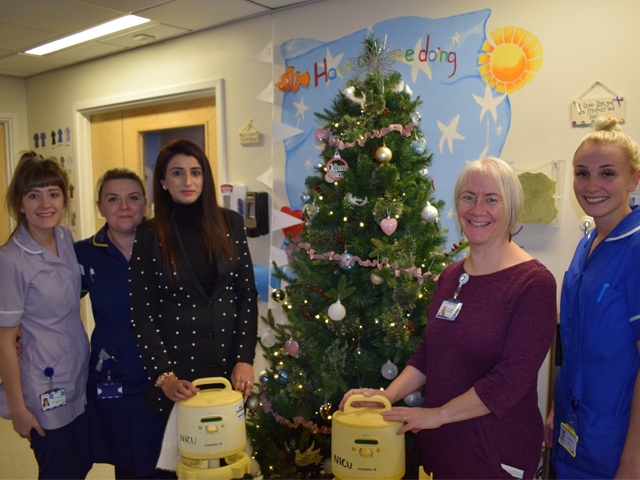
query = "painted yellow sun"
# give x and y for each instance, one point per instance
(511, 61)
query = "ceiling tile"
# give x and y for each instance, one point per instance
(16, 37)
(32, 63)
(127, 6)
(199, 14)
(61, 16)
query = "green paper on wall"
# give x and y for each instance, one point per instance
(539, 198)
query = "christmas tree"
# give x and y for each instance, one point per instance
(363, 270)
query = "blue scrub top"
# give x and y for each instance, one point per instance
(105, 275)
(600, 327)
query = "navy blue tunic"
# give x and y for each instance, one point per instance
(600, 327)
(124, 432)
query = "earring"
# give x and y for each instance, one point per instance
(164, 187)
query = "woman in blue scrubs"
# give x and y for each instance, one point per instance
(124, 432)
(594, 426)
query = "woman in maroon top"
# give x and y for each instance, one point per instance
(491, 322)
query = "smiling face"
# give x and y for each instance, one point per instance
(122, 204)
(602, 182)
(183, 179)
(481, 211)
(43, 208)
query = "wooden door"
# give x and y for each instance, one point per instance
(5, 219)
(116, 137)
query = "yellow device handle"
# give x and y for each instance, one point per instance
(212, 381)
(358, 397)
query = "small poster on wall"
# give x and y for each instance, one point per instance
(584, 111)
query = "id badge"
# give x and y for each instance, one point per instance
(449, 310)
(54, 398)
(568, 439)
(109, 389)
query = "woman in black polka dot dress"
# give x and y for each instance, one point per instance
(194, 299)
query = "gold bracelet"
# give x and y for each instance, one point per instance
(162, 376)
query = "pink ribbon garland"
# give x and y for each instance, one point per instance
(415, 271)
(297, 421)
(404, 131)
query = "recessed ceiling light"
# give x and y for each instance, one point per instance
(100, 31)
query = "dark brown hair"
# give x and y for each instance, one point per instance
(212, 225)
(33, 171)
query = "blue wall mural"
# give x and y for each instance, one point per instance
(462, 76)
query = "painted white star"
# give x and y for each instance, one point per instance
(418, 66)
(334, 62)
(489, 103)
(499, 130)
(456, 38)
(289, 47)
(308, 164)
(449, 133)
(450, 213)
(301, 107)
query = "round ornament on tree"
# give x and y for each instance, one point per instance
(268, 339)
(383, 154)
(346, 261)
(326, 465)
(419, 145)
(337, 311)
(429, 213)
(413, 399)
(278, 295)
(321, 134)
(264, 377)
(424, 173)
(253, 403)
(389, 370)
(283, 377)
(375, 278)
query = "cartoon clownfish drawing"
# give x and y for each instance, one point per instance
(292, 81)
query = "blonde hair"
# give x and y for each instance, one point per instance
(505, 178)
(608, 131)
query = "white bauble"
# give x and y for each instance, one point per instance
(337, 311)
(389, 370)
(429, 213)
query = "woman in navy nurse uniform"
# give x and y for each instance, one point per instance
(594, 426)
(124, 432)
(44, 388)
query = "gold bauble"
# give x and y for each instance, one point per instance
(383, 154)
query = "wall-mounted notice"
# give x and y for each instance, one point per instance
(584, 111)
(587, 110)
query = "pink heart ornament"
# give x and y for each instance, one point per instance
(292, 347)
(388, 225)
